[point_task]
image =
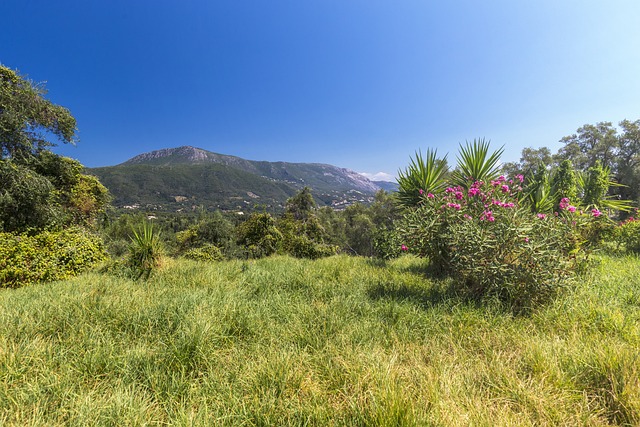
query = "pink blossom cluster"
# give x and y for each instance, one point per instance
(595, 212)
(564, 204)
(487, 215)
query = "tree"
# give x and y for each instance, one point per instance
(530, 160)
(627, 170)
(27, 119)
(301, 205)
(39, 189)
(589, 144)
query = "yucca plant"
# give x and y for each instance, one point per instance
(424, 175)
(476, 164)
(594, 185)
(144, 251)
(538, 193)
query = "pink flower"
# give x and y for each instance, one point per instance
(541, 216)
(466, 216)
(501, 178)
(404, 248)
(454, 205)
(430, 196)
(459, 195)
(571, 208)
(491, 219)
(505, 188)
(526, 239)
(421, 191)
(596, 212)
(449, 190)
(473, 191)
(520, 178)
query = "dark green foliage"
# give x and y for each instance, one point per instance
(48, 191)
(301, 206)
(596, 185)
(27, 120)
(303, 236)
(209, 229)
(564, 183)
(47, 256)
(25, 198)
(208, 253)
(259, 235)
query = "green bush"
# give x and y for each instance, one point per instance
(493, 245)
(207, 253)
(47, 256)
(627, 235)
(259, 235)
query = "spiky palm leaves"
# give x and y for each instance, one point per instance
(423, 175)
(476, 164)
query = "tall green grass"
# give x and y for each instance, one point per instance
(338, 341)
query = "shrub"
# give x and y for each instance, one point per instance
(207, 253)
(493, 245)
(627, 235)
(47, 256)
(259, 235)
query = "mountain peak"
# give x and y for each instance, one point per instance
(184, 154)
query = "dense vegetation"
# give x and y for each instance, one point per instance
(505, 312)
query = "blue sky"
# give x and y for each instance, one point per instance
(360, 84)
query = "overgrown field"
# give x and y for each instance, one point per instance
(337, 341)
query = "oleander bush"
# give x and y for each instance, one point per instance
(485, 234)
(494, 246)
(47, 256)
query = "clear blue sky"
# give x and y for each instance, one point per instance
(360, 84)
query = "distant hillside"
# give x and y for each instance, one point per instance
(387, 186)
(183, 177)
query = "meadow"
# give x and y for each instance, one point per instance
(337, 341)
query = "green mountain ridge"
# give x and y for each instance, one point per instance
(184, 177)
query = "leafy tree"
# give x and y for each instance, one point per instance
(259, 235)
(530, 159)
(40, 189)
(589, 144)
(627, 169)
(301, 205)
(27, 119)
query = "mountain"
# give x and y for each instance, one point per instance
(387, 186)
(183, 177)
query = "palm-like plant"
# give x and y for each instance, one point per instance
(144, 251)
(539, 194)
(423, 175)
(476, 164)
(594, 185)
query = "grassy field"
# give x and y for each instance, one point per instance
(339, 341)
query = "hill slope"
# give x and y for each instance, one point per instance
(175, 178)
